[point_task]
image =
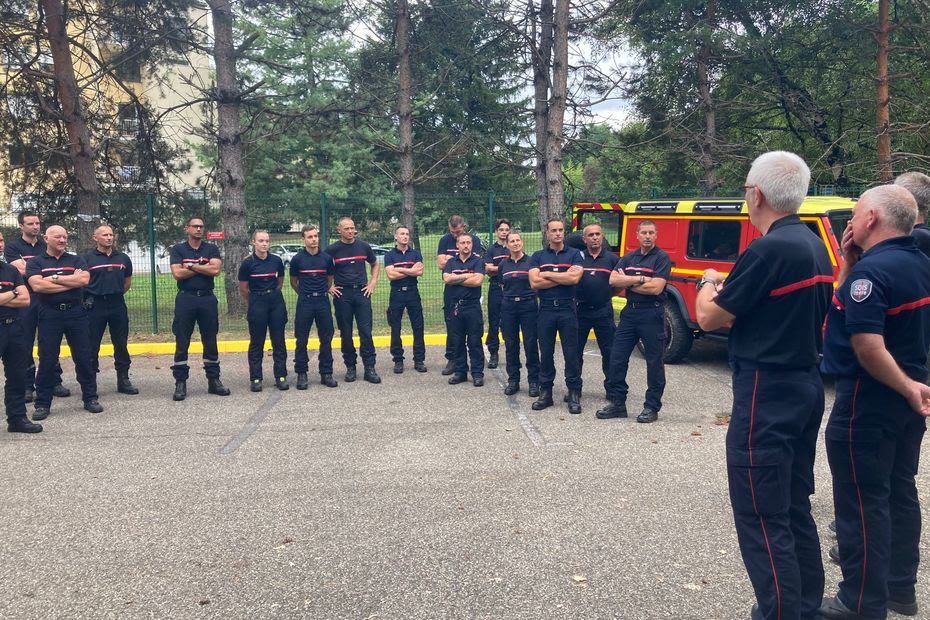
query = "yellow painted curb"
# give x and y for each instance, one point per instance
(241, 346)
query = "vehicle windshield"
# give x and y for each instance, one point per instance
(293, 248)
(838, 222)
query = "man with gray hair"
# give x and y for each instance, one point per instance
(775, 300)
(918, 184)
(876, 342)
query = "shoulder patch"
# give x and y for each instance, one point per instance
(860, 290)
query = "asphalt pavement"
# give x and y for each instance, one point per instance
(410, 499)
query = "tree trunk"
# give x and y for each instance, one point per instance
(87, 191)
(405, 117)
(882, 116)
(709, 137)
(557, 101)
(541, 52)
(230, 172)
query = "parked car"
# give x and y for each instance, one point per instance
(699, 234)
(379, 251)
(286, 251)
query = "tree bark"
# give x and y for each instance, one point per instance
(405, 117)
(541, 53)
(557, 101)
(709, 137)
(87, 191)
(882, 97)
(230, 172)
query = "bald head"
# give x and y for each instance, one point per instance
(103, 237)
(55, 230)
(56, 238)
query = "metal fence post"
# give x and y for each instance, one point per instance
(150, 199)
(324, 227)
(490, 219)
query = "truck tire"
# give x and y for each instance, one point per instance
(678, 336)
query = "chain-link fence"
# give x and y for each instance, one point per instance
(148, 226)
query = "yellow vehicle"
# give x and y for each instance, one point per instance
(699, 234)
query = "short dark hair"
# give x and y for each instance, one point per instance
(307, 228)
(24, 214)
(399, 226)
(646, 223)
(195, 217)
(554, 219)
(503, 220)
(456, 220)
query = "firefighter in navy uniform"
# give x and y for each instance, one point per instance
(17, 252)
(110, 278)
(13, 297)
(463, 276)
(876, 342)
(554, 273)
(446, 250)
(194, 264)
(495, 254)
(519, 313)
(404, 266)
(918, 184)
(594, 295)
(261, 277)
(352, 290)
(644, 273)
(56, 278)
(311, 277)
(774, 300)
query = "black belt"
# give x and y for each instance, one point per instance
(521, 298)
(636, 305)
(62, 307)
(274, 290)
(467, 302)
(409, 287)
(198, 292)
(556, 303)
(593, 307)
(352, 286)
(7, 320)
(312, 295)
(107, 297)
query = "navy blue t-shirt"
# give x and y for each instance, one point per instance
(349, 262)
(655, 264)
(311, 271)
(460, 292)
(876, 299)
(406, 259)
(921, 233)
(515, 276)
(447, 245)
(594, 288)
(108, 272)
(549, 260)
(261, 274)
(9, 280)
(46, 266)
(779, 291)
(19, 249)
(183, 254)
(495, 255)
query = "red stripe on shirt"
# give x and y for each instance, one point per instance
(263, 275)
(311, 270)
(58, 269)
(339, 260)
(119, 265)
(463, 271)
(601, 269)
(515, 272)
(556, 265)
(913, 305)
(797, 286)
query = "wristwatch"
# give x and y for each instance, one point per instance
(55, 277)
(706, 280)
(15, 293)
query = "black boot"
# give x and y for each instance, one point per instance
(545, 399)
(574, 401)
(419, 366)
(302, 382)
(492, 360)
(215, 386)
(93, 405)
(398, 367)
(350, 374)
(371, 376)
(60, 391)
(328, 380)
(180, 390)
(123, 384)
(449, 368)
(533, 390)
(612, 410)
(21, 424)
(512, 388)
